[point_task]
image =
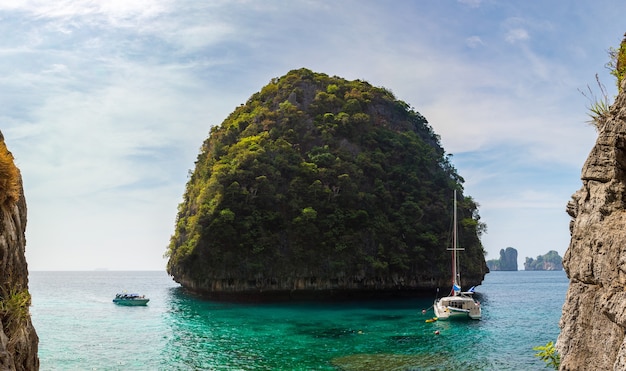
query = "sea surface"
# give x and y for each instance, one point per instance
(80, 328)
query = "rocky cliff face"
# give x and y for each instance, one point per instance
(18, 339)
(593, 322)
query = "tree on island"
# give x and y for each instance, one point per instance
(318, 183)
(507, 261)
(551, 261)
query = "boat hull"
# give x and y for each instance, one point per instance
(457, 307)
(131, 302)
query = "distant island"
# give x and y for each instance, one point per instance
(507, 261)
(551, 261)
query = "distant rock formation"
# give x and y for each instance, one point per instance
(507, 261)
(594, 314)
(551, 261)
(18, 339)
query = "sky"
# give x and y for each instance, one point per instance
(105, 104)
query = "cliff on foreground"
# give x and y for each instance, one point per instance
(18, 339)
(322, 185)
(593, 321)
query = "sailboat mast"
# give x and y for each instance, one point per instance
(454, 244)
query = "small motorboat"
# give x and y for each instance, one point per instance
(130, 299)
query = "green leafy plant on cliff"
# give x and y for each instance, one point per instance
(617, 63)
(14, 310)
(549, 355)
(598, 106)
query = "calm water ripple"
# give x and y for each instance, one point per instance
(81, 329)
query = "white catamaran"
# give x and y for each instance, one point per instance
(458, 303)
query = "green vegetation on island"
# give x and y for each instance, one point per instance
(551, 261)
(322, 183)
(507, 261)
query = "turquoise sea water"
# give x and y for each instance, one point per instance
(81, 329)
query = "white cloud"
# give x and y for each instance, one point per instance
(68, 9)
(516, 34)
(474, 41)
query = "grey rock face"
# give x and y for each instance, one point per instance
(593, 322)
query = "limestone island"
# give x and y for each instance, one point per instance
(551, 261)
(507, 261)
(322, 187)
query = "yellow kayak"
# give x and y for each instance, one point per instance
(431, 319)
